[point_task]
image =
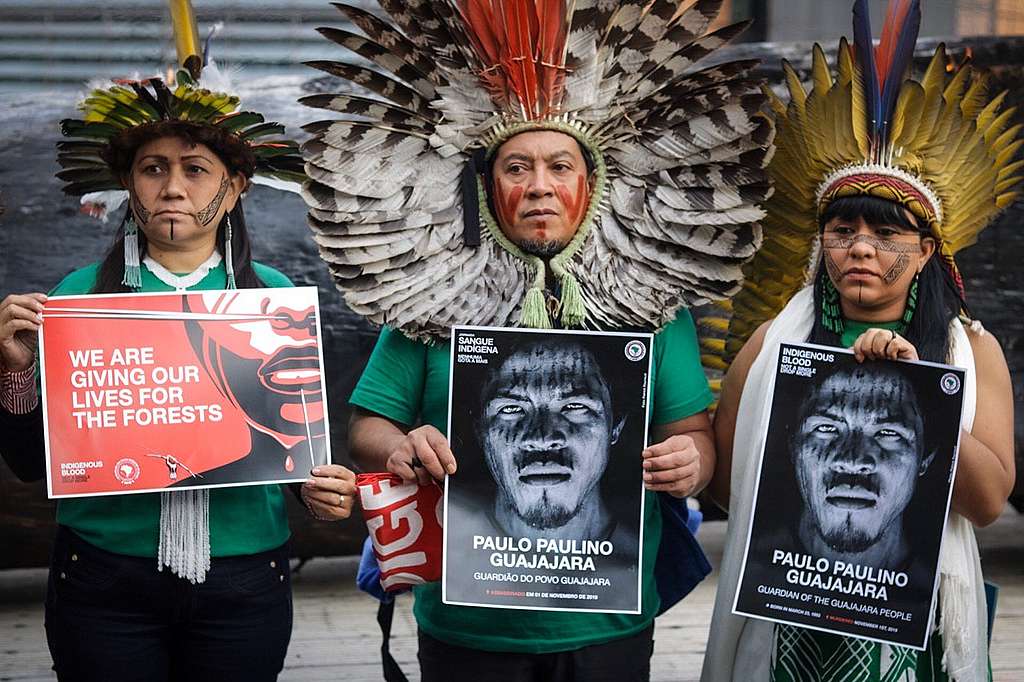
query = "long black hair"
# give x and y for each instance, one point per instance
(233, 153)
(938, 298)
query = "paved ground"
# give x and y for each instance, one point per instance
(336, 636)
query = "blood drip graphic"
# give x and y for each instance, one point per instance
(289, 463)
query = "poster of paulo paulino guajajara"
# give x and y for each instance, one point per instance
(546, 510)
(870, 451)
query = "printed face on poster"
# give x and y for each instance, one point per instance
(546, 509)
(144, 392)
(870, 450)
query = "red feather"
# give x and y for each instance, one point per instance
(895, 17)
(521, 45)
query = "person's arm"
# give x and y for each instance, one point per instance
(725, 415)
(21, 418)
(380, 444)
(681, 461)
(985, 472)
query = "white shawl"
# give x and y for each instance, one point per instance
(739, 649)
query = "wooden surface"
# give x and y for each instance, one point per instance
(335, 636)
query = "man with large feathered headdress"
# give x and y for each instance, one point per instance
(535, 163)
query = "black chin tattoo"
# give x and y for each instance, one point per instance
(207, 214)
(172, 230)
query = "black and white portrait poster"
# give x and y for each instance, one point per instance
(546, 509)
(852, 495)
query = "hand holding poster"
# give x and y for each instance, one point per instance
(193, 390)
(546, 509)
(870, 449)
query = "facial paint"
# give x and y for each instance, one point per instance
(142, 214)
(575, 203)
(172, 230)
(892, 274)
(507, 203)
(206, 215)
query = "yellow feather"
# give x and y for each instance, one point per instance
(821, 77)
(908, 112)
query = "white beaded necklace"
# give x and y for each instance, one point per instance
(182, 282)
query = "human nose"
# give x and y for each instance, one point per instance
(855, 454)
(174, 184)
(540, 183)
(544, 431)
(862, 246)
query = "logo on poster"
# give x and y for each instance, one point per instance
(127, 471)
(636, 351)
(950, 383)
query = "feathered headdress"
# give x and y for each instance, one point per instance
(125, 105)
(396, 188)
(937, 146)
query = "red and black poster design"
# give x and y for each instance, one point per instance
(144, 392)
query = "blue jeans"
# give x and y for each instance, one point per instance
(115, 618)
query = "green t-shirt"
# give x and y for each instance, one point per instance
(243, 520)
(852, 329)
(407, 381)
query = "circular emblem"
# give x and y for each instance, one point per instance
(636, 351)
(950, 383)
(127, 470)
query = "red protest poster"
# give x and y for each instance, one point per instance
(143, 392)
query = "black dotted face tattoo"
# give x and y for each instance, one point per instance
(207, 214)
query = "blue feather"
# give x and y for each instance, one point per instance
(899, 62)
(865, 54)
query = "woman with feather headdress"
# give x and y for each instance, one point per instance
(536, 163)
(879, 182)
(184, 155)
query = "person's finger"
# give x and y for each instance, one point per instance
(444, 452)
(402, 468)
(326, 512)
(858, 348)
(682, 487)
(667, 446)
(18, 325)
(334, 485)
(423, 476)
(427, 457)
(670, 475)
(32, 301)
(334, 471)
(672, 460)
(20, 312)
(326, 497)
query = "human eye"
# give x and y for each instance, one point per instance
(152, 169)
(825, 428)
(510, 410)
(889, 435)
(562, 167)
(887, 232)
(575, 407)
(842, 229)
(515, 168)
(196, 169)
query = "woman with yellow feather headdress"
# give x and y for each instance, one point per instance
(879, 182)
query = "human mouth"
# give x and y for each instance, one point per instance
(850, 497)
(545, 474)
(292, 370)
(540, 212)
(859, 273)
